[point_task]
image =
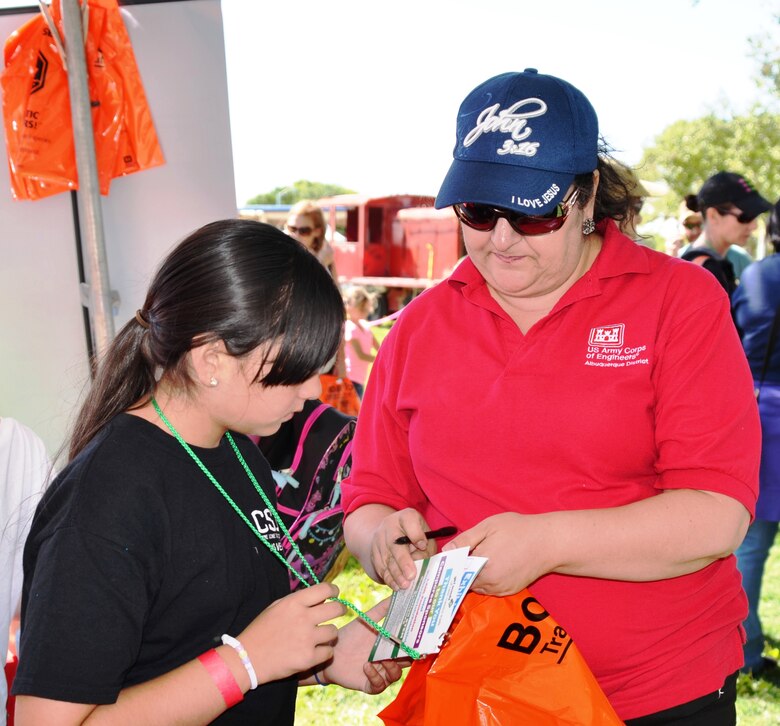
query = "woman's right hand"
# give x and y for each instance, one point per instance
(288, 636)
(395, 563)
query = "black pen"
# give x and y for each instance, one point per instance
(432, 534)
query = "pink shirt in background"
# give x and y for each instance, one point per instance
(357, 368)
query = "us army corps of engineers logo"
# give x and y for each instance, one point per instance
(606, 348)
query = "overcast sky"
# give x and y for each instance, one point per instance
(364, 94)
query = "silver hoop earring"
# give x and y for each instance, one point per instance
(212, 381)
(588, 226)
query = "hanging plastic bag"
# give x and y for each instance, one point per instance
(506, 662)
(36, 114)
(125, 132)
(36, 105)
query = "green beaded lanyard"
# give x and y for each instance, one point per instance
(411, 652)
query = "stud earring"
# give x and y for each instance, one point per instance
(588, 226)
(212, 381)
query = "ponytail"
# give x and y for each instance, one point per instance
(125, 378)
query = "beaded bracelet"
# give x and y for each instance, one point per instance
(222, 677)
(250, 669)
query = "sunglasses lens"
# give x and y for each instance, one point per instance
(483, 218)
(477, 216)
(741, 217)
(531, 226)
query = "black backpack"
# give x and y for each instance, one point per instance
(718, 266)
(310, 456)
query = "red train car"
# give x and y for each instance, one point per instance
(398, 242)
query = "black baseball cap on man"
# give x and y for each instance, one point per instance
(726, 187)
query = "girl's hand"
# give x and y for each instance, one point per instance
(288, 636)
(395, 563)
(350, 667)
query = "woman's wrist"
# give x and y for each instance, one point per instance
(554, 541)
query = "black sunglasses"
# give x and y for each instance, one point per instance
(742, 217)
(483, 217)
(692, 225)
(303, 231)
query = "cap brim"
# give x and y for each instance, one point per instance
(753, 205)
(524, 190)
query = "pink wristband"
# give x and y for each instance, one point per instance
(222, 677)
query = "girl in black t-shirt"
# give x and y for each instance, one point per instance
(153, 588)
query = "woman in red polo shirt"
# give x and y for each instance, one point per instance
(577, 405)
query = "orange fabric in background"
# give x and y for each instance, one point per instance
(340, 393)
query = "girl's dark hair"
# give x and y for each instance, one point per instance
(243, 282)
(613, 196)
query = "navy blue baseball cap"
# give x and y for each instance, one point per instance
(521, 140)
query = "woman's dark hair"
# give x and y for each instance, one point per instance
(692, 202)
(243, 282)
(614, 198)
(773, 227)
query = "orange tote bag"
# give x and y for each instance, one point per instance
(506, 662)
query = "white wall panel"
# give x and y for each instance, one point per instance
(179, 47)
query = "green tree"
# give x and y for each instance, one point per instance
(687, 152)
(765, 50)
(301, 189)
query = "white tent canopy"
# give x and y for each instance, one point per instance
(179, 47)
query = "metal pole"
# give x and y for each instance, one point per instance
(91, 214)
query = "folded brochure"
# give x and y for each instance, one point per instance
(421, 615)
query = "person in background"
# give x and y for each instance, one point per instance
(756, 308)
(729, 205)
(25, 470)
(154, 592)
(358, 338)
(690, 225)
(306, 223)
(739, 258)
(559, 399)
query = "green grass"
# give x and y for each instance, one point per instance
(758, 702)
